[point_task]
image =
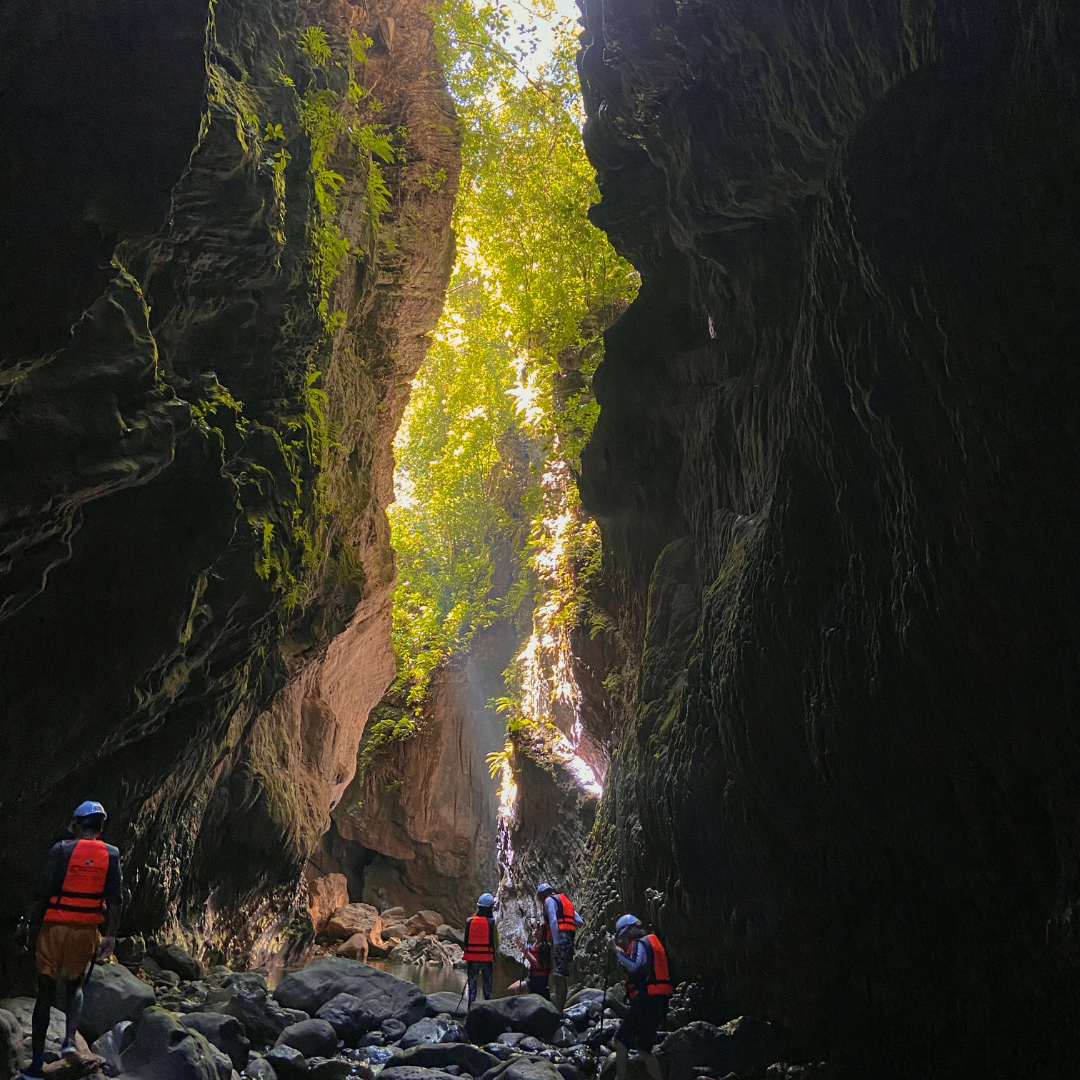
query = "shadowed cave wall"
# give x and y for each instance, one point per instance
(836, 469)
(194, 557)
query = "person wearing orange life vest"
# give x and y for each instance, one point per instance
(80, 890)
(481, 944)
(562, 923)
(538, 957)
(648, 991)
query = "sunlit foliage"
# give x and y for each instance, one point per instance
(494, 415)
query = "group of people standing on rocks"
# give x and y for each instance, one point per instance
(649, 986)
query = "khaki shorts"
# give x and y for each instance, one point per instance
(64, 950)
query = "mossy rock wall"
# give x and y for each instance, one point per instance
(194, 556)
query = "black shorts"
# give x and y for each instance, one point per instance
(538, 984)
(639, 1030)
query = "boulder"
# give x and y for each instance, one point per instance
(413, 1072)
(330, 1069)
(356, 948)
(446, 1002)
(424, 922)
(175, 958)
(448, 934)
(287, 1062)
(112, 1044)
(392, 1030)
(313, 1038)
(22, 1008)
(222, 1062)
(426, 949)
(429, 1029)
(352, 919)
(162, 1049)
(523, 1068)
(469, 1058)
(74, 1066)
(223, 1031)
(130, 951)
(585, 996)
(112, 994)
(350, 1017)
(529, 1013)
(383, 995)
(326, 895)
(392, 915)
(11, 1044)
(259, 1069)
(744, 1043)
(247, 999)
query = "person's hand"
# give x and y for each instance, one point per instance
(105, 949)
(612, 944)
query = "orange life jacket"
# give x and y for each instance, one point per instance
(81, 896)
(564, 913)
(479, 939)
(657, 977)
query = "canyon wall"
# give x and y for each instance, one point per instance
(194, 459)
(838, 477)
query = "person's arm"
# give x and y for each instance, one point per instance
(636, 959)
(49, 884)
(494, 937)
(578, 920)
(552, 912)
(113, 893)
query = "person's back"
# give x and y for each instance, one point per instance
(80, 889)
(481, 944)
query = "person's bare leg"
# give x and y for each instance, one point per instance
(558, 999)
(622, 1061)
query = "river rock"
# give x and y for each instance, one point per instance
(326, 895)
(260, 1069)
(247, 999)
(329, 1069)
(529, 1013)
(223, 1031)
(287, 1062)
(351, 1018)
(112, 1044)
(744, 1043)
(523, 1068)
(430, 1029)
(175, 958)
(162, 1049)
(11, 1044)
(413, 1072)
(313, 1038)
(352, 919)
(356, 948)
(22, 1008)
(438, 1056)
(383, 995)
(446, 1002)
(392, 1030)
(112, 994)
(424, 922)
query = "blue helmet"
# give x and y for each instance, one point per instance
(542, 888)
(90, 809)
(624, 923)
(486, 900)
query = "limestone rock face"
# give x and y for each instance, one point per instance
(328, 894)
(419, 827)
(836, 469)
(194, 557)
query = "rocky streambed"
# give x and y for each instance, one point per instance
(338, 1018)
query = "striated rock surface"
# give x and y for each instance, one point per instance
(836, 467)
(194, 557)
(418, 828)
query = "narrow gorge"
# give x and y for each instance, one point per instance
(448, 449)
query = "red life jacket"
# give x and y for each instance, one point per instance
(657, 977)
(479, 939)
(564, 913)
(81, 896)
(540, 958)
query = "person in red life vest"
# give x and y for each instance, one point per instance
(562, 922)
(648, 992)
(481, 944)
(81, 890)
(538, 957)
